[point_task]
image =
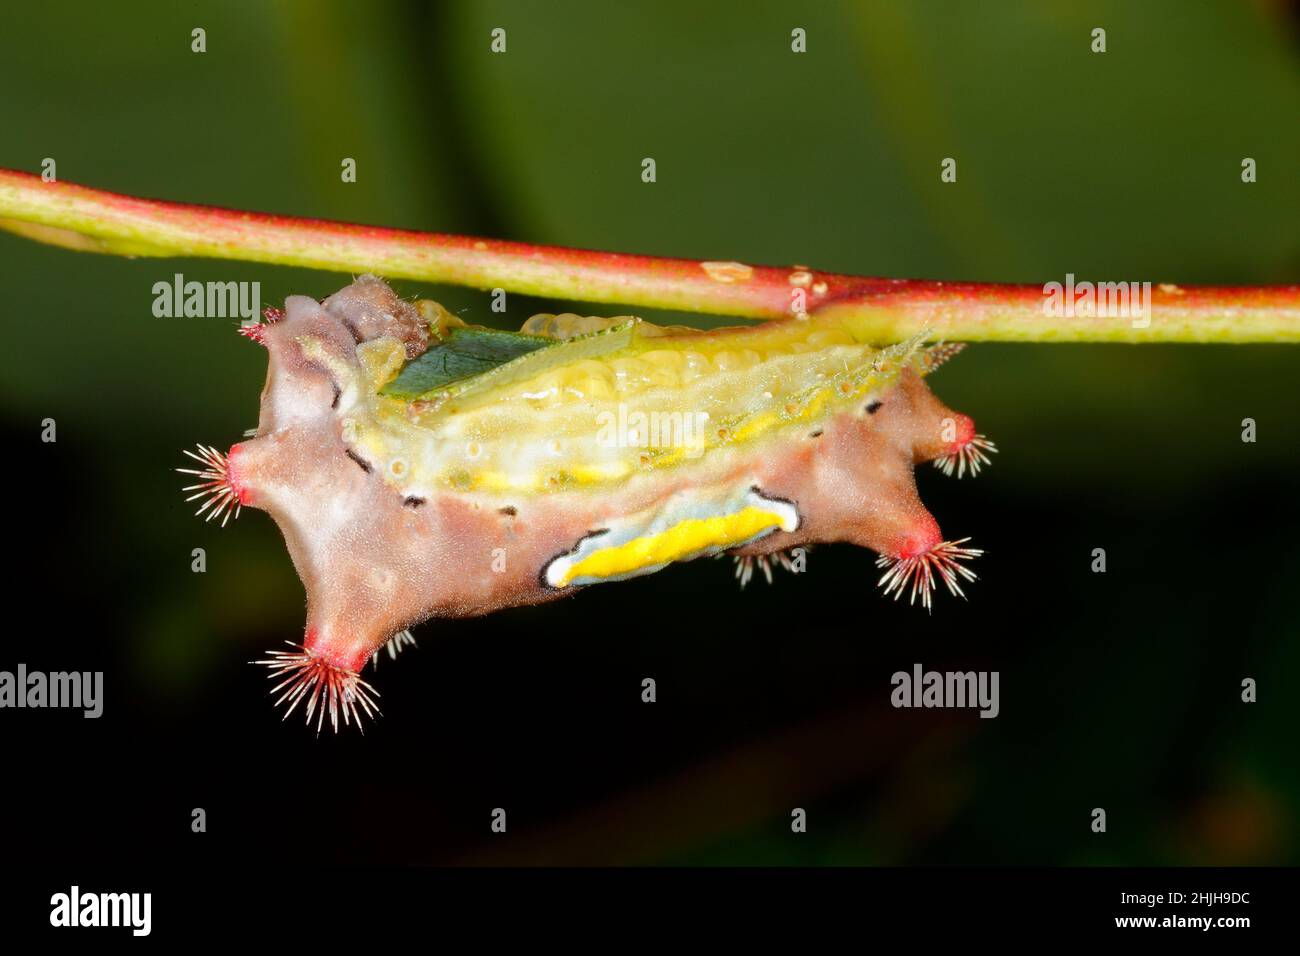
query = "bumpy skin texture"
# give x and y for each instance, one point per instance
(466, 502)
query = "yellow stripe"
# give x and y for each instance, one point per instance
(682, 539)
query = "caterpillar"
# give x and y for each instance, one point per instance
(421, 467)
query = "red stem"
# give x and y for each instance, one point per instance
(888, 309)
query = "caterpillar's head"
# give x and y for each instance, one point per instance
(301, 467)
(300, 464)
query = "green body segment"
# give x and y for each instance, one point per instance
(604, 405)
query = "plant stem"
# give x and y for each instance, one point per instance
(889, 310)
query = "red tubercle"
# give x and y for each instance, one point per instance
(350, 656)
(964, 427)
(219, 497)
(924, 536)
(255, 332)
(919, 573)
(324, 687)
(968, 452)
(242, 491)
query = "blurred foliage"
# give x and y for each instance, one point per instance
(1119, 690)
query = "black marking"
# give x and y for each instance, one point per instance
(413, 501)
(816, 434)
(338, 393)
(873, 407)
(509, 511)
(361, 462)
(352, 330)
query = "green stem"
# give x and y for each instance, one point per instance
(86, 219)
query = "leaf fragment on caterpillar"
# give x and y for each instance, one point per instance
(466, 353)
(474, 360)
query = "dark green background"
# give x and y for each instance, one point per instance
(1118, 690)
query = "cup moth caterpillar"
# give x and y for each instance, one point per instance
(420, 467)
